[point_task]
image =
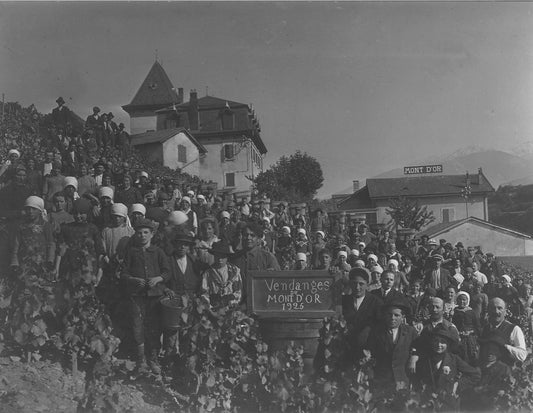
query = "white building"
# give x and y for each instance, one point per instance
(175, 148)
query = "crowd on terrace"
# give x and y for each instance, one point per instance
(425, 309)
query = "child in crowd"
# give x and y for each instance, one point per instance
(221, 282)
(145, 272)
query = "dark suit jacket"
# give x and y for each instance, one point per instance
(391, 358)
(445, 279)
(393, 295)
(189, 282)
(94, 123)
(360, 321)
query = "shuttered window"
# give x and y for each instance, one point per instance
(182, 153)
(230, 179)
(448, 215)
(229, 151)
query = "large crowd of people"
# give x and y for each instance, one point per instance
(426, 310)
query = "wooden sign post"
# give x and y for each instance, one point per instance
(290, 306)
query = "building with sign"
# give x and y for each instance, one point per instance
(449, 197)
(230, 148)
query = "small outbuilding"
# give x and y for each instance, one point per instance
(175, 148)
(474, 231)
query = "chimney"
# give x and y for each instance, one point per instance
(193, 110)
(355, 186)
(180, 95)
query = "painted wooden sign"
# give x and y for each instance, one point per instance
(296, 294)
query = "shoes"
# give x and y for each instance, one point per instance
(155, 367)
(153, 362)
(142, 366)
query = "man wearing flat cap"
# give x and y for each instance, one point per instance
(437, 277)
(144, 276)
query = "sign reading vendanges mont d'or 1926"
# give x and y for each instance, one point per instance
(297, 294)
(422, 169)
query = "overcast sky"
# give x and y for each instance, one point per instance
(363, 87)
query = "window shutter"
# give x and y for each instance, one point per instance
(230, 179)
(448, 215)
(229, 151)
(182, 153)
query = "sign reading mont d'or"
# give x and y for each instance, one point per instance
(297, 294)
(422, 169)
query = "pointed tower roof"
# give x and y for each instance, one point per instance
(155, 92)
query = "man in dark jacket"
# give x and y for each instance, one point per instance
(94, 122)
(390, 343)
(60, 114)
(361, 311)
(437, 277)
(185, 279)
(387, 293)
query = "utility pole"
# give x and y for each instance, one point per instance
(3, 106)
(466, 191)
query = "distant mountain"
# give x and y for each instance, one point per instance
(523, 149)
(498, 166)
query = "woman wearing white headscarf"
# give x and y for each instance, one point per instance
(467, 323)
(400, 281)
(34, 238)
(114, 239)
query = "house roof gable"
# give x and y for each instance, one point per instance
(436, 230)
(155, 91)
(358, 200)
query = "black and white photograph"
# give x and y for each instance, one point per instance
(266, 206)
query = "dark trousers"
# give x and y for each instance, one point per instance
(145, 322)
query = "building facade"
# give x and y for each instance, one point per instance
(228, 131)
(175, 148)
(444, 195)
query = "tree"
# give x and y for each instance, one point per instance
(407, 213)
(296, 178)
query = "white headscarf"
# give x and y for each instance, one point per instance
(106, 191)
(138, 208)
(466, 295)
(393, 262)
(122, 211)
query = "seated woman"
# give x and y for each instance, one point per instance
(222, 282)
